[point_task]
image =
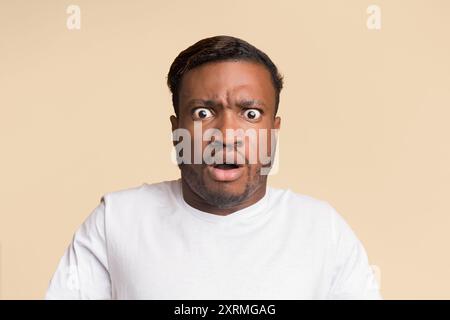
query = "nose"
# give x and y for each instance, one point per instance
(226, 145)
(228, 125)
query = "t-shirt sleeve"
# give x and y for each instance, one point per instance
(82, 272)
(353, 277)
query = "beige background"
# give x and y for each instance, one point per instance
(364, 120)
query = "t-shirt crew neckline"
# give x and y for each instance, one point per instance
(239, 215)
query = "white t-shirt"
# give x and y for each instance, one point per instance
(146, 242)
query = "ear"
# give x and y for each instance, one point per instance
(174, 122)
(277, 123)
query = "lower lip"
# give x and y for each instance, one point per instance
(225, 175)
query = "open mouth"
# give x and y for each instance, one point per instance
(225, 172)
(226, 166)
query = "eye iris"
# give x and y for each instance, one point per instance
(251, 114)
(202, 114)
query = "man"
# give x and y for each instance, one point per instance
(218, 232)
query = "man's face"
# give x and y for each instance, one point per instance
(227, 95)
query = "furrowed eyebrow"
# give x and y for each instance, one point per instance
(207, 103)
(250, 103)
(214, 104)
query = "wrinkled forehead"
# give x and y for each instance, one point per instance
(228, 82)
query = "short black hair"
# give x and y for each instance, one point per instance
(215, 49)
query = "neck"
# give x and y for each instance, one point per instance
(197, 202)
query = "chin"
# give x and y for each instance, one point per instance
(222, 198)
(234, 188)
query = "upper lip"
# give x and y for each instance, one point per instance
(229, 163)
(236, 159)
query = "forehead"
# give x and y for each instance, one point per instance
(228, 80)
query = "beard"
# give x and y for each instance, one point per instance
(218, 197)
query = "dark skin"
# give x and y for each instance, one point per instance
(225, 94)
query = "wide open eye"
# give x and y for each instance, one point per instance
(201, 113)
(252, 114)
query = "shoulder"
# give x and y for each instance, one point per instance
(146, 192)
(123, 204)
(312, 213)
(302, 205)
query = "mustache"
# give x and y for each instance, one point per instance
(219, 152)
(220, 144)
